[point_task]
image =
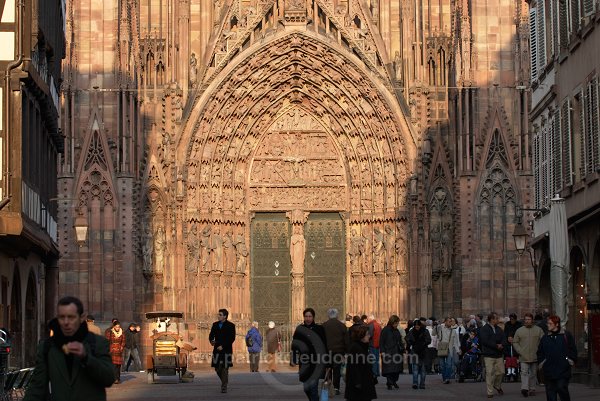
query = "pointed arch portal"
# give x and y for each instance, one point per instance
(300, 127)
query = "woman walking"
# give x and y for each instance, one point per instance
(391, 348)
(360, 384)
(556, 354)
(116, 340)
(254, 344)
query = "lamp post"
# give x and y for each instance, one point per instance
(81, 229)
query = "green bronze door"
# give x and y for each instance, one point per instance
(270, 268)
(325, 263)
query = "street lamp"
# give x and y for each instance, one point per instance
(520, 237)
(81, 229)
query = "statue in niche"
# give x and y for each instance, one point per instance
(401, 248)
(367, 267)
(398, 66)
(193, 69)
(205, 248)
(378, 250)
(356, 251)
(446, 249)
(193, 250)
(297, 249)
(216, 248)
(228, 250)
(160, 245)
(436, 250)
(147, 249)
(241, 253)
(390, 248)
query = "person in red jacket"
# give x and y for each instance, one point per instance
(374, 333)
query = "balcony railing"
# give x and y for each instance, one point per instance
(38, 60)
(37, 211)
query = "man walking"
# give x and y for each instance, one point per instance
(337, 344)
(310, 346)
(73, 363)
(525, 342)
(131, 348)
(222, 336)
(491, 340)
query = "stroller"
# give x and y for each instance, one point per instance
(470, 365)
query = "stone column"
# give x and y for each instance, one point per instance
(297, 253)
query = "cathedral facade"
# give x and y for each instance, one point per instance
(269, 155)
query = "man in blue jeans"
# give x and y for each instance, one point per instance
(417, 339)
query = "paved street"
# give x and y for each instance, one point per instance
(284, 386)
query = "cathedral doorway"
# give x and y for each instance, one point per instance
(325, 263)
(270, 268)
(324, 271)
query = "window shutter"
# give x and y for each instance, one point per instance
(595, 106)
(566, 135)
(544, 166)
(533, 43)
(575, 16)
(541, 34)
(563, 23)
(555, 32)
(557, 181)
(589, 7)
(591, 106)
(583, 136)
(536, 169)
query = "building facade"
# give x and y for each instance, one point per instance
(566, 134)
(267, 155)
(33, 46)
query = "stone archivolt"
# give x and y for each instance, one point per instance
(297, 72)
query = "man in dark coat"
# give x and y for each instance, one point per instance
(491, 338)
(222, 336)
(310, 347)
(74, 361)
(337, 343)
(418, 338)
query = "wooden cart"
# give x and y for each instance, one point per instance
(168, 358)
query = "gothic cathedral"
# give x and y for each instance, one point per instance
(269, 155)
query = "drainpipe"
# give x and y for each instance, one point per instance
(11, 66)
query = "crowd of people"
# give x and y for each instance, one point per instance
(78, 363)
(498, 349)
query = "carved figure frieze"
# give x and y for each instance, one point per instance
(309, 198)
(193, 250)
(241, 254)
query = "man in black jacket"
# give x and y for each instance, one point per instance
(222, 336)
(491, 338)
(336, 335)
(310, 345)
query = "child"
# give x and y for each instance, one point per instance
(468, 364)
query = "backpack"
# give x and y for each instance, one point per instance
(249, 342)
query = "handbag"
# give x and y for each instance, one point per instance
(443, 347)
(327, 389)
(540, 373)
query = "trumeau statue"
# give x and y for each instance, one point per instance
(297, 250)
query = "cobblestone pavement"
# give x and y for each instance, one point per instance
(284, 385)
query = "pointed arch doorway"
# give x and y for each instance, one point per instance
(298, 256)
(278, 292)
